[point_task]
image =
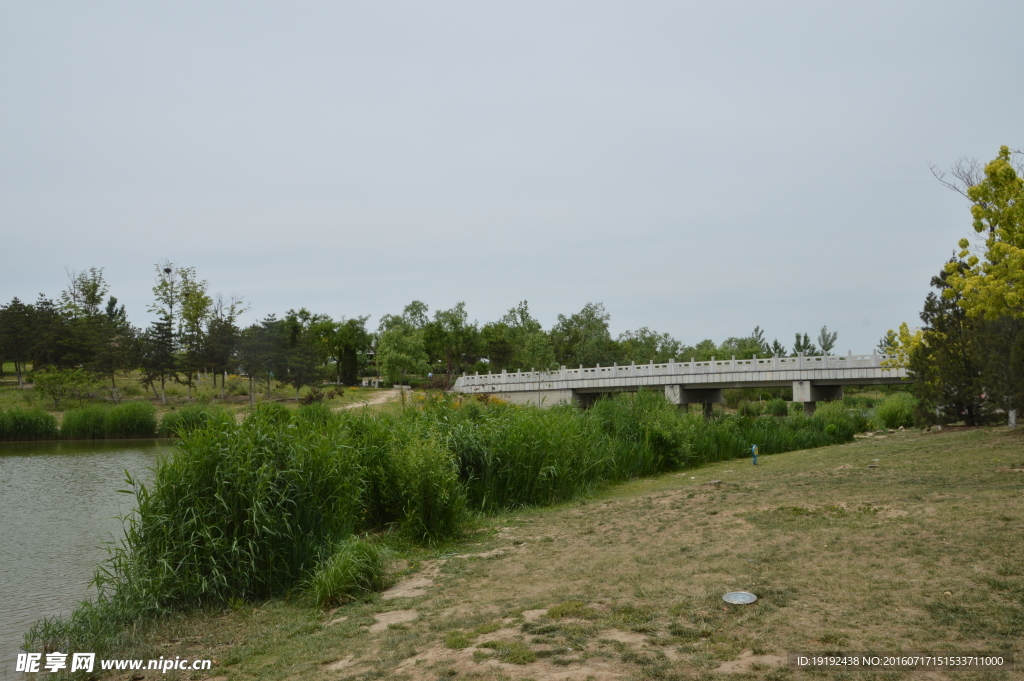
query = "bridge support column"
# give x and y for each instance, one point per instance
(684, 397)
(810, 394)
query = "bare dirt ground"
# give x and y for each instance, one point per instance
(379, 398)
(921, 551)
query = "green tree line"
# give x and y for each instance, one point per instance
(85, 335)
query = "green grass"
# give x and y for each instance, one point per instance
(356, 568)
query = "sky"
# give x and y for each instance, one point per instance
(698, 168)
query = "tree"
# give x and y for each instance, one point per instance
(84, 293)
(17, 336)
(118, 348)
(827, 340)
(887, 343)
(193, 310)
(222, 337)
(583, 338)
(803, 344)
(944, 358)
(400, 353)
(644, 345)
(992, 283)
(59, 384)
(346, 341)
(158, 359)
(256, 352)
(778, 349)
(745, 347)
(451, 339)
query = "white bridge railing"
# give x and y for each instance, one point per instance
(673, 368)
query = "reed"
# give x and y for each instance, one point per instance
(85, 423)
(193, 417)
(31, 424)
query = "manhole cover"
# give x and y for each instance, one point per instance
(739, 597)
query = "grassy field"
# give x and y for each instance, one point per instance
(129, 390)
(905, 542)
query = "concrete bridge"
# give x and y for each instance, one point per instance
(813, 379)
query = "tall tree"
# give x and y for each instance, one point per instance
(803, 344)
(992, 283)
(400, 353)
(17, 336)
(346, 342)
(158, 358)
(583, 338)
(946, 364)
(827, 340)
(451, 339)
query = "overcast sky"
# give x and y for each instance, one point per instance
(697, 167)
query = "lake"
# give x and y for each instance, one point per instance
(58, 506)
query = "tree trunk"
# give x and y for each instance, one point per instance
(251, 388)
(223, 382)
(163, 395)
(17, 369)
(1012, 421)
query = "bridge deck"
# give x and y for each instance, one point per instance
(563, 384)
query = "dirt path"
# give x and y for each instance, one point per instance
(379, 398)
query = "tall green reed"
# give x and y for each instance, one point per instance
(30, 424)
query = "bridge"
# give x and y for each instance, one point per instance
(813, 379)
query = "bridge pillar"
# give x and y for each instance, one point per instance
(684, 397)
(810, 394)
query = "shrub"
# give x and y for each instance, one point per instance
(30, 424)
(192, 417)
(778, 407)
(357, 567)
(896, 410)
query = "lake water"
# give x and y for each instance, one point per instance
(58, 506)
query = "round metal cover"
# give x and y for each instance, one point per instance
(739, 597)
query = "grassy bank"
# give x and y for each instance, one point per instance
(920, 553)
(248, 511)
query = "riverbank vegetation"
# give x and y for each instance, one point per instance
(252, 510)
(627, 582)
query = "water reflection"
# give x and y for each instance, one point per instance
(58, 506)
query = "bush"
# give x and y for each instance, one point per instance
(896, 410)
(778, 407)
(357, 567)
(30, 424)
(177, 423)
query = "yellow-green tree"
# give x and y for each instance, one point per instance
(992, 284)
